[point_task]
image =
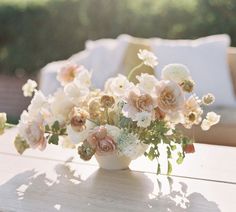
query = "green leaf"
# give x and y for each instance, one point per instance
(47, 128)
(169, 168)
(173, 147)
(180, 160)
(63, 131)
(56, 126)
(20, 144)
(151, 154)
(53, 139)
(168, 152)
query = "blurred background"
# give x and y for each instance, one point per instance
(35, 32)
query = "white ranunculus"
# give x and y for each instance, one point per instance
(83, 78)
(75, 92)
(60, 106)
(143, 119)
(147, 83)
(119, 85)
(175, 72)
(29, 87)
(148, 58)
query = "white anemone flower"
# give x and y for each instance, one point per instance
(148, 58)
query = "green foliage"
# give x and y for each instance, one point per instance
(53, 139)
(34, 33)
(53, 132)
(20, 144)
(155, 135)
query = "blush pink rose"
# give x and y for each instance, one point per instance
(105, 146)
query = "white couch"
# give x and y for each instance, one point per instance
(209, 59)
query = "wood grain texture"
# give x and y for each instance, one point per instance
(33, 185)
(57, 180)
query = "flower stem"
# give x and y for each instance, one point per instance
(133, 70)
(8, 125)
(107, 115)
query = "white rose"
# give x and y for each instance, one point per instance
(29, 87)
(146, 83)
(175, 72)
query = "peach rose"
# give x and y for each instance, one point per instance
(170, 97)
(137, 102)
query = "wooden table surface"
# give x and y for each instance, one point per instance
(57, 180)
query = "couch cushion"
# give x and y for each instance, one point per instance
(232, 65)
(206, 59)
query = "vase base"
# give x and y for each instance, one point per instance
(113, 162)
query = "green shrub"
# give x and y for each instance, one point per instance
(34, 33)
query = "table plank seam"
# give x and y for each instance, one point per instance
(89, 164)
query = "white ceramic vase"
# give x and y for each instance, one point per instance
(113, 161)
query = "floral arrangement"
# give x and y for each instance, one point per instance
(124, 118)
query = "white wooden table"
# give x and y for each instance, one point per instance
(57, 180)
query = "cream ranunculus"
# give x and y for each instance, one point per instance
(148, 58)
(175, 72)
(29, 87)
(3, 120)
(170, 97)
(147, 83)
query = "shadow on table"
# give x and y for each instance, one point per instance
(31, 191)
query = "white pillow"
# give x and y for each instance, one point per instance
(206, 59)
